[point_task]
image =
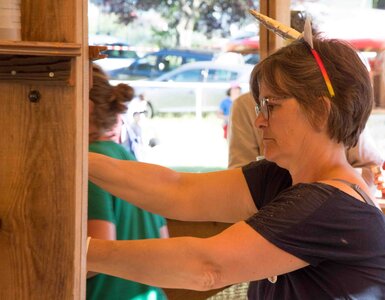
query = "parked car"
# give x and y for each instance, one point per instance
(194, 87)
(157, 63)
(118, 55)
(252, 58)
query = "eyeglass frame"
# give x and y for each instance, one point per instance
(263, 107)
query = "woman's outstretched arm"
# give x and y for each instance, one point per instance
(238, 254)
(221, 196)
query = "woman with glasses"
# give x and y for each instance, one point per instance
(303, 227)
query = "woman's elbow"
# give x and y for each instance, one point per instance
(210, 278)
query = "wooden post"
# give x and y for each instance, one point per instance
(279, 10)
(43, 153)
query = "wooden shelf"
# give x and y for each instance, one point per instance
(38, 62)
(40, 48)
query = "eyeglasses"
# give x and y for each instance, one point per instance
(264, 107)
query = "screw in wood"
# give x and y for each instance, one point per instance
(34, 96)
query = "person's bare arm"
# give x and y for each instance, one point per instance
(100, 229)
(236, 255)
(221, 196)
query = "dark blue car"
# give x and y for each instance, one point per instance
(157, 63)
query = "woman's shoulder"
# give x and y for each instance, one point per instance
(263, 167)
(265, 180)
(299, 199)
(309, 197)
(310, 203)
(312, 192)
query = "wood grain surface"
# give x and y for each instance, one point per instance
(37, 184)
(43, 154)
(50, 20)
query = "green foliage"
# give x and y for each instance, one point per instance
(379, 4)
(210, 17)
(162, 38)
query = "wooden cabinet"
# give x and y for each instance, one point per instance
(43, 120)
(196, 229)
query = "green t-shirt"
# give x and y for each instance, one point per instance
(132, 223)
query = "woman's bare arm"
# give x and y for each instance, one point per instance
(237, 254)
(100, 229)
(216, 196)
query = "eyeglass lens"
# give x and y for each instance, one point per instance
(262, 107)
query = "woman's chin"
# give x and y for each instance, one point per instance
(275, 158)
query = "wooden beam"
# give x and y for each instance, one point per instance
(43, 153)
(279, 10)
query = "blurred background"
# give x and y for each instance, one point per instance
(182, 56)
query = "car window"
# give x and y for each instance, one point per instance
(190, 59)
(169, 62)
(147, 63)
(218, 75)
(120, 54)
(195, 75)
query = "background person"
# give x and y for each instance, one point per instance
(137, 133)
(109, 217)
(303, 214)
(245, 140)
(225, 106)
(132, 137)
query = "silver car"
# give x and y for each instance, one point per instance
(196, 87)
(118, 55)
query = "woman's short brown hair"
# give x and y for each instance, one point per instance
(292, 71)
(109, 101)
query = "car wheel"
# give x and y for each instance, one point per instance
(149, 110)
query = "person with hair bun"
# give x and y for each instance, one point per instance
(110, 218)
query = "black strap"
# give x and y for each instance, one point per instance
(357, 188)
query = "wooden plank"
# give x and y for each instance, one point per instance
(43, 158)
(50, 20)
(279, 10)
(40, 48)
(37, 180)
(36, 69)
(81, 77)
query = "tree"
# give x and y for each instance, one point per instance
(211, 17)
(379, 4)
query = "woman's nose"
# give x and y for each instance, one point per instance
(260, 121)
